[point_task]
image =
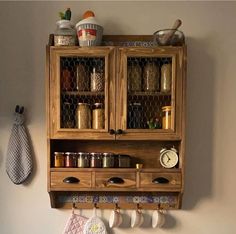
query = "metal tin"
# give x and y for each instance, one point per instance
(108, 160)
(98, 116)
(166, 118)
(83, 159)
(59, 159)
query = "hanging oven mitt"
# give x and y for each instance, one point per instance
(94, 225)
(19, 161)
(75, 224)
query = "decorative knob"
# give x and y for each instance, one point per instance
(119, 131)
(112, 131)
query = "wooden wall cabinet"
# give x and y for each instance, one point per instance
(128, 108)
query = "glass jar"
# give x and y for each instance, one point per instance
(98, 116)
(166, 78)
(123, 160)
(66, 79)
(97, 80)
(59, 159)
(166, 117)
(134, 77)
(151, 77)
(83, 160)
(135, 115)
(82, 81)
(68, 118)
(70, 159)
(108, 160)
(95, 160)
(65, 34)
(83, 114)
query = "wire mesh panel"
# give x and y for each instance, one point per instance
(149, 84)
(82, 87)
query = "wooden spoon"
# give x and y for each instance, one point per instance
(167, 37)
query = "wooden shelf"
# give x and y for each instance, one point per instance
(82, 93)
(149, 94)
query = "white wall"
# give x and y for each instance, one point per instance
(209, 201)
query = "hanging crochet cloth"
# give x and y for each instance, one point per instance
(19, 161)
(94, 225)
(75, 224)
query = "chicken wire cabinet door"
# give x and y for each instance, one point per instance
(150, 93)
(82, 92)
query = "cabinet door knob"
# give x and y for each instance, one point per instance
(119, 131)
(71, 180)
(112, 131)
(160, 180)
(115, 180)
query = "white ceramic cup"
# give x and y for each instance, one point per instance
(115, 219)
(136, 218)
(158, 219)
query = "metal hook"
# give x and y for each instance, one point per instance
(19, 109)
(117, 207)
(73, 205)
(95, 205)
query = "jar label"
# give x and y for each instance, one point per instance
(87, 34)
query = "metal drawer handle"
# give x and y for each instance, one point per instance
(160, 180)
(71, 180)
(115, 180)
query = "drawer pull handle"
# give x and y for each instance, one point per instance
(71, 180)
(160, 180)
(112, 132)
(115, 180)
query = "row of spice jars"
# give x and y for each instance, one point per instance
(91, 160)
(149, 79)
(79, 80)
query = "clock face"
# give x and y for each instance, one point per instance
(168, 158)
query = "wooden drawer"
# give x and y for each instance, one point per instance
(160, 180)
(116, 180)
(58, 180)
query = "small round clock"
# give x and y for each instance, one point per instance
(169, 157)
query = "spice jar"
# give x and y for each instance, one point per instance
(108, 160)
(67, 118)
(166, 118)
(98, 116)
(65, 34)
(83, 159)
(166, 78)
(83, 115)
(66, 79)
(134, 77)
(95, 160)
(135, 115)
(97, 80)
(151, 77)
(82, 81)
(70, 159)
(123, 160)
(59, 159)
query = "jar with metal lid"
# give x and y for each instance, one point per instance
(108, 160)
(59, 159)
(95, 160)
(97, 79)
(98, 116)
(82, 81)
(83, 114)
(134, 77)
(123, 160)
(70, 159)
(83, 159)
(65, 34)
(135, 111)
(151, 77)
(166, 117)
(166, 78)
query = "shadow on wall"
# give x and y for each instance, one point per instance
(199, 125)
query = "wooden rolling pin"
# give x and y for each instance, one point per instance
(169, 35)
